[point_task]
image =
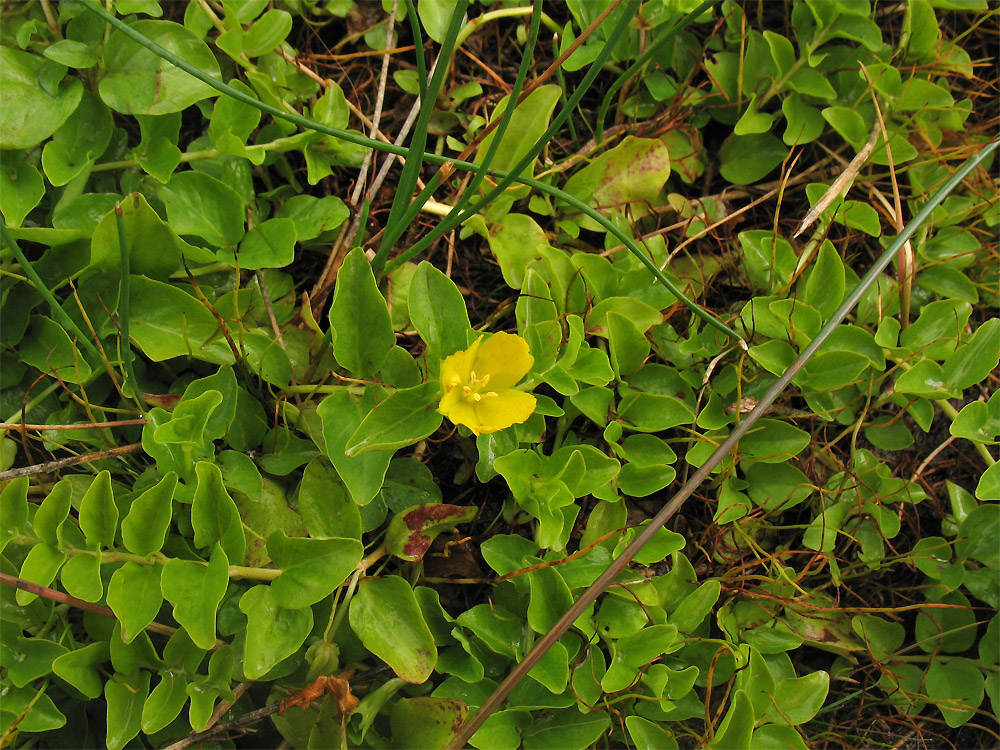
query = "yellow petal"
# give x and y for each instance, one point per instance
(464, 413)
(457, 368)
(508, 408)
(449, 401)
(505, 358)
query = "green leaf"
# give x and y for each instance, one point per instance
(635, 651)
(313, 216)
(270, 244)
(79, 668)
(78, 142)
(341, 415)
(626, 178)
(773, 441)
(988, 488)
(200, 205)
(833, 370)
(925, 378)
(196, 589)
(14, 510)
(81, 576)
(747, 158)
(516, 240)
(28, 112)
(737, 726)
(21, 188)
(99, 513)
(957, 687)
(164, 702)
(138, 81)
(629, 348)
(145, 527)
(825, 282)
(214, 516)
(973, 361)
(566, 728)
(777, 486)
(935, 333)
(267, 32)
(776, 737)
(798, 699)
(135, 596)
(648, 412)
(310, 568)
(803, 122)
(435, 16)
(696, 606)
(32, 709)
(753, 121)
(168, 322)
(153, 247)
(71, 53)
(125, 696)
(438, 312)
(642, 315)
(412, 532)
(386, 617)
(52, 512)
(49, 348)
(40, 566)
(359, 318)
(426, 723)
(529, 121)
(157, 152)
(273, 632)
(324, 504)
(30, 658)
(406, 417)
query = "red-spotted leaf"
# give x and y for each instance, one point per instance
(412, 531)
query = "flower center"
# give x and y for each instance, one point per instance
(474, 391)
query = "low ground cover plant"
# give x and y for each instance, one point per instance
(347, 345)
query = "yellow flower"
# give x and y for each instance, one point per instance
(479, 384)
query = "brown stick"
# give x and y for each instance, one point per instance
(86, 426)
(27, 471)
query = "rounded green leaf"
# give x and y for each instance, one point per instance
(21, 188)
(310, 568)
(799, 699)
(386, 617)
(138, 81)
(145, 527)
(214, 515)
(426, 723)
(273, 632)
(773, 441)
(270, 244)
(737, 726)
(404, 418)
(79, 668)
(200, 205)
(359, 318)
(28, 112)
(125, 696)
(748, 158)
(135, 596)
(196, 589)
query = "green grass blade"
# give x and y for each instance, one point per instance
(379, 261)
(396, 224)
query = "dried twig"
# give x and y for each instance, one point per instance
(62, 463)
